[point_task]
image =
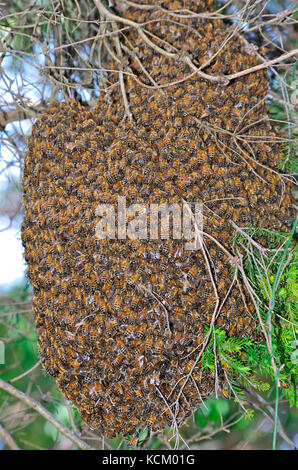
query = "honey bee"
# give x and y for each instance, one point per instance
(123, 409)
(93, 334)
(62, 299)
(64, 286)
(221, 286)
(178, 93)
(134, 301)
(109, 419)
(103, 306)
(206, 170)
(133, 442)
(233, 330)
(75, 364)
(142, 330)
(151, 420)
(240, 323)
(77, 294)
(193, 271)
(171, 133)
(113, 324)
(211, 150)
(145, 118)
(159, 126)
(117, 303)
(178, 123)
(117, 361)
(121, 345)
(131, 329)
(119, 389)
(158, 345)
(149, 343)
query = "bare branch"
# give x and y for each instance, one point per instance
(32, 403)
(7, 439)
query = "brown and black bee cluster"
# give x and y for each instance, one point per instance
(121, 322)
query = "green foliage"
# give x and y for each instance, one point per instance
(275, 282)
(248, 362)
(238, 356)
(284, 113)
(30, 430)
(288, 162)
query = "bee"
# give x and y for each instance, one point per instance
(122, 409)
(134, 301)
(206, 170)
(109, 419)
(156, 378)
(119, 389)
(178, 123)
(145, 118)
(238, 87)
(62, 299)
(77, 294)
(104, 275)
(113, 324)
(193, 271)
(171, 133)
(121, 345)
(211, 150)
(189, 144)
(178, 93)
(75, 364)
(159, 126)
(221, 286)
(88, 123)
(158, 345)
(133, 442)
(131, 329)
(64, 286)
(117, 361)
(117, 303)
(141, 331)
(149, 343)
(93, 334)
(233, 329)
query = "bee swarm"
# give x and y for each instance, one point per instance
(121, 322)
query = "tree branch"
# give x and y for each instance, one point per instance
(7, 439)
(32, 403)
(18, 113)
(106, 13)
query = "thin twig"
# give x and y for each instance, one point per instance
(32, 403)
(8, 439)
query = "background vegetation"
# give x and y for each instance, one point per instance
(259, 409)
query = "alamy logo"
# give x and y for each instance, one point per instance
(151, 222)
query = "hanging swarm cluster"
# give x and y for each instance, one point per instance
(121, 322)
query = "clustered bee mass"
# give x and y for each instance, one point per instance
(121, 322)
